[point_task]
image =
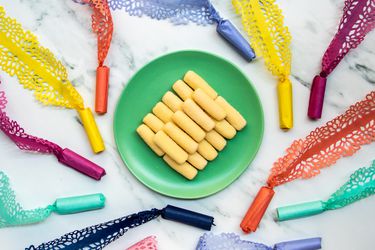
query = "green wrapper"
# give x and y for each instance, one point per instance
(300, 210)
(77, 204)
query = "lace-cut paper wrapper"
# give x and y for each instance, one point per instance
(38, 70)
(226, 241)
(148, 243)
(342, 136)
(201, 12)
(263, 22)
(98, 236)
(12, 213)
(102, 25)
(358, 19)
(360, 186)
(34, 144)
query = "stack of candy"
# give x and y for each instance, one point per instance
(190, 131)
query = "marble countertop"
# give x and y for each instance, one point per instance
(64, 27)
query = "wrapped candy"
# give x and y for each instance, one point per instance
(38, 70)
(34, 144)
(360, 186)
(342, 136)
(226, 241)
(201, 12)
(263, 22)
(12, 213)
(358, 19)
(102, 25)
(148, 243)
(99, 236)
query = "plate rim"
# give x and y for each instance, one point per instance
(200, 195)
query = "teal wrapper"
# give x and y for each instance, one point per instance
(300, 210)
(77, 204)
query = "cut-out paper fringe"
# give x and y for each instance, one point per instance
(358, 19)
(360, 186)
(34, 144)
(98, 236)
(12, 213)
(233, 241)
(340, 137)
(263, 22)
(102, 25)
(38, 70)
(148, 243)
(181, 12)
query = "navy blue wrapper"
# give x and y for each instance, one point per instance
(187, 217)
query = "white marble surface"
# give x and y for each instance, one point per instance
(63, 26)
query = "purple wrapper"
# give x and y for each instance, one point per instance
(305, 244)
(81, 164)
(318, 88)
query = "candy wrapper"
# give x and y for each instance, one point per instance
(12, 213)
(358, 19)
(148, 243)
(263, 22)
(184, 11)
(38, 70)
(342, 136)
(99, 236)
(102, 25)
(360, 186)
(34, 144)
(226, 241)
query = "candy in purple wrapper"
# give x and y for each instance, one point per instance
(305, 244)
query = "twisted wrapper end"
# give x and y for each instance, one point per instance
(257, 209)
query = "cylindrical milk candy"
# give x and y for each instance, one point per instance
(198, 161)
(198, 115)
(233, 116)
(197, 82)
(185, 169)
(182, 90)
(209, 105)
(181, 138)
(153, 122)
(162, 112)
(225, 129)
(148, 137)
(216, 140)
(172, 101)
(207, 150)
(189, 126)
(163, 141)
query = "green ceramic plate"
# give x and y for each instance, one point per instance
(148, 86)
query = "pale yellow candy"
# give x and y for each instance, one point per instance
(182, 90)
(207, 150)
(189, 126)
(198, 115)
(197, 161)
(172, 101)
(197, 82)
(162, 112)
(209, 105)
(225, 129)
(216, 140)
(233, 116)
(181, 138)
(185, 169)
(153, 122)
(163, 141)
(148, 137)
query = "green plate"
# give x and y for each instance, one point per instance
(148, 86)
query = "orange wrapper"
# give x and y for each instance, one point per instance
(342, 136)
